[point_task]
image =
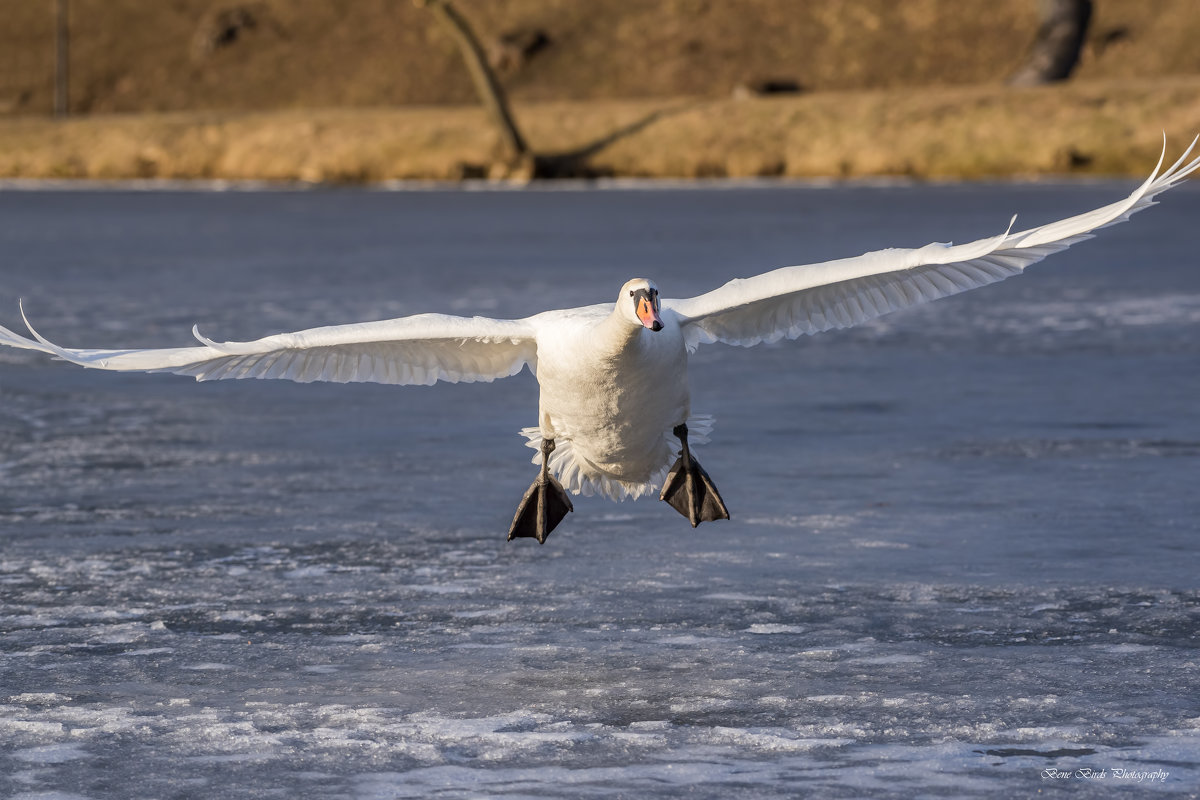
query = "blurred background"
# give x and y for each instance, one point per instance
(586, 77)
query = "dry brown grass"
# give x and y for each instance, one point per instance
(1102, 127)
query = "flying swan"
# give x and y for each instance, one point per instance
(614, 411)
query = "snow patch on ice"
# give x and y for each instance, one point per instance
(51, 754)
(39, 698)
(737, 597)
(814, 522)
(500, 611)
(236, 615)
(29, 727)
(208, 666)
(315, 571)
(1127, 648)
(770, 627)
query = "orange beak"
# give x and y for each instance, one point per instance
(648, 314)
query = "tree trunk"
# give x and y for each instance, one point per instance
(1059, 40)
(486, 85)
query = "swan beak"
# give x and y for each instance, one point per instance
(648, 314)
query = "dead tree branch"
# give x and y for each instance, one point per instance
(486, 85)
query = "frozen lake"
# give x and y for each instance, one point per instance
(962, 560)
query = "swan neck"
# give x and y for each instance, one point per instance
(618, 330)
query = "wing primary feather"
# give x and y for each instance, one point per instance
(807, 299)
(420, 349)
(204, 340)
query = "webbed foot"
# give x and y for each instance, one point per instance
(689, 490)
(544, 504)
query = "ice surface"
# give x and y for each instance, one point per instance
(961, 564)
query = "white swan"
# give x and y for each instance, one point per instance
(614, 407)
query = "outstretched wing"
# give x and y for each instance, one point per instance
(421, 349)
(807, 299)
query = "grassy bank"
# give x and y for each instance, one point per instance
(1098, 127)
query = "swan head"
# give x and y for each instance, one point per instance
(638, 304)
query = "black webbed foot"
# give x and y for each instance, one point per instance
(689, 490)
(544, 504)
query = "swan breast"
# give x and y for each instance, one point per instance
(616, 397)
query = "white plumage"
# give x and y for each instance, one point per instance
(612, 388)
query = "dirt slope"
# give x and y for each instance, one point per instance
(162, 55)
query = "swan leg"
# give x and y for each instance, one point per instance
(544, 504)
(688, 488)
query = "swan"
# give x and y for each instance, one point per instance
(614, 411)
